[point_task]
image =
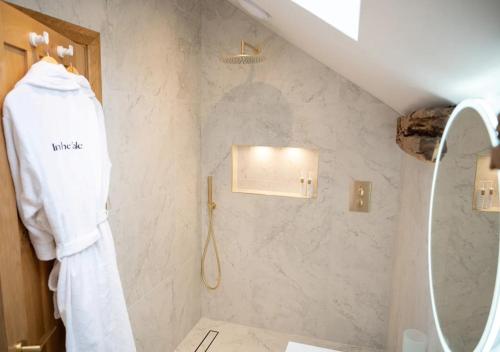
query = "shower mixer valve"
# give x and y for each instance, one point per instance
(360, 196)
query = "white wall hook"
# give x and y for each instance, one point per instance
(62, 51)
(37, 39)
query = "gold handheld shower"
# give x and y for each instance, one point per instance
(243, 57)
(210, 236)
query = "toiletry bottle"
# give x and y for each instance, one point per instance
(481, 195)
(310, 186)
(303, 185)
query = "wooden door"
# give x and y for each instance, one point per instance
(26, 308)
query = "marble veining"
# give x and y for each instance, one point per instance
(308, 267)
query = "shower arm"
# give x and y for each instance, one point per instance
(245, 44)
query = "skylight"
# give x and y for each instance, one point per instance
(341, 14)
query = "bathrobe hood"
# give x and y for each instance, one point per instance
(49, 76)
(55, 77)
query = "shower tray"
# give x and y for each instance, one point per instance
(219, 336)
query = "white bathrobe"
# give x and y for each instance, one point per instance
(56, 144)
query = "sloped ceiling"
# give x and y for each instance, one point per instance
(410, 53)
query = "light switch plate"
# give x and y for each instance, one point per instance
(360, 196)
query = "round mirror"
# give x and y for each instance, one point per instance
(464, 225)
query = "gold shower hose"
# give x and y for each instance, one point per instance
(210, 236)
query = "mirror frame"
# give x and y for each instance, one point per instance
(491, 330)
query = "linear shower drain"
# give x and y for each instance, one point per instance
(207, 341)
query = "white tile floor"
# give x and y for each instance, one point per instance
(239, 338)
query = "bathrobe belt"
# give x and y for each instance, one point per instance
(83, 241)
(67, 249)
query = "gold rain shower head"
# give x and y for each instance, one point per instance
(243, 57)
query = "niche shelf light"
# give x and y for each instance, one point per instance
(278, 171)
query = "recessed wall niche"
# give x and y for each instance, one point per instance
(278, 171)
